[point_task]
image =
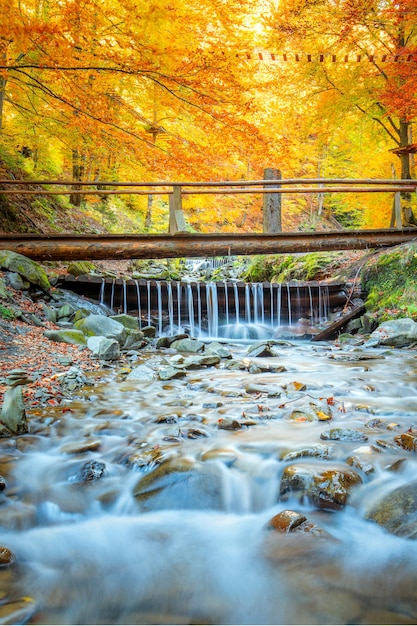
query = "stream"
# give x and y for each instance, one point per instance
(150, 502)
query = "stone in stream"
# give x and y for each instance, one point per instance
(104, 348)
(6, 557)
(326, 487)
(396, 511)
(170, 372)
(343, 434)
(397, 333)
(262, 349)
(188, 345)
(318, 451)
(180, 483)
(407, 440)
(90, 471)
(142, 372)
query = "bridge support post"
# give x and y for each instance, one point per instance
(272, 204)
(176, 216)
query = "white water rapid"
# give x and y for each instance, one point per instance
(192, 546)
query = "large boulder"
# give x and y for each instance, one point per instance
(101, 326)
(104, 348)
(24, 267)
(67, 335)
(396, 333)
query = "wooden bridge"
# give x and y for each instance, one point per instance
(182, 244)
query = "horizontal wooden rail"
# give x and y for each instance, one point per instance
(68, 247)
(223, 192)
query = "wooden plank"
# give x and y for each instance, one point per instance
(331, 331)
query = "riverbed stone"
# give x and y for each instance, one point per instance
(407, 440)
(90, 472)
(169, 372)
(6, 556)
(128, 321)
(397, 333)
(180, 483)
(319, 451)
(262, 349)
(326, 487)
(397, 511)
(104, 348)
(27, 268)
(343, 434)
(100, 325)
(188, 345)
(142, 372)
(13, 413)
(67, 335)
(215, 347)
(135, 340)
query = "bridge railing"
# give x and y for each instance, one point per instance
(175, 191)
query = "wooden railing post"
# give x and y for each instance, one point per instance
(397, 209)
(176, 216)
(272, 204)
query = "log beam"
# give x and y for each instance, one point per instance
(53, 247)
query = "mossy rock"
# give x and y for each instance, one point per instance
(281, 268)
(27, 268)
(81, 268)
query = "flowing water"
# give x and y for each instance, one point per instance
(198, 550)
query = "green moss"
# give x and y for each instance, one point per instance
(390, 283)
(285, 267)
(6, 314)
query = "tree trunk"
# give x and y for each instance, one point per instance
(407, 216)
(3, 82)
(77, 175)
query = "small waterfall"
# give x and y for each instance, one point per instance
(218, 308)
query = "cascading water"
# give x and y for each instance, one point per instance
(218, 309)
(174, 526)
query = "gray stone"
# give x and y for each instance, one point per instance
(104, 348)
(343, 434)
(13, 414)
(188, 345)
(134, 340)
(99, 325)
(67, 335)
(142, 372)
(169, 372)
(219, 349)
(128, 321)
(261, 349)
(17, 282)
(396, 333)
(27, 268)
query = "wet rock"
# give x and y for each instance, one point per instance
(295, 386)
(318, 451)
(16, 281)
(235, 364)
(67, 335)
(13, 413)
(326, 488)
(25, 267)
(407, 440)
(102, 326)
(286, 521)
(142, 372)
(104, 348)
(180, 484)
(197, 361)
(343, 434)
(6, 557)
(3, 483)
(262, 349)
(225, 423)
(397, 511)
(17, 611)
(170, 372)
(397, 333)
(225, 455)
(142, 458)
(90, 471)
(80, 447)
(165, 342)
(187, 345)
(218, 349)
(365, 466)
(271, 390)
(212, 405)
